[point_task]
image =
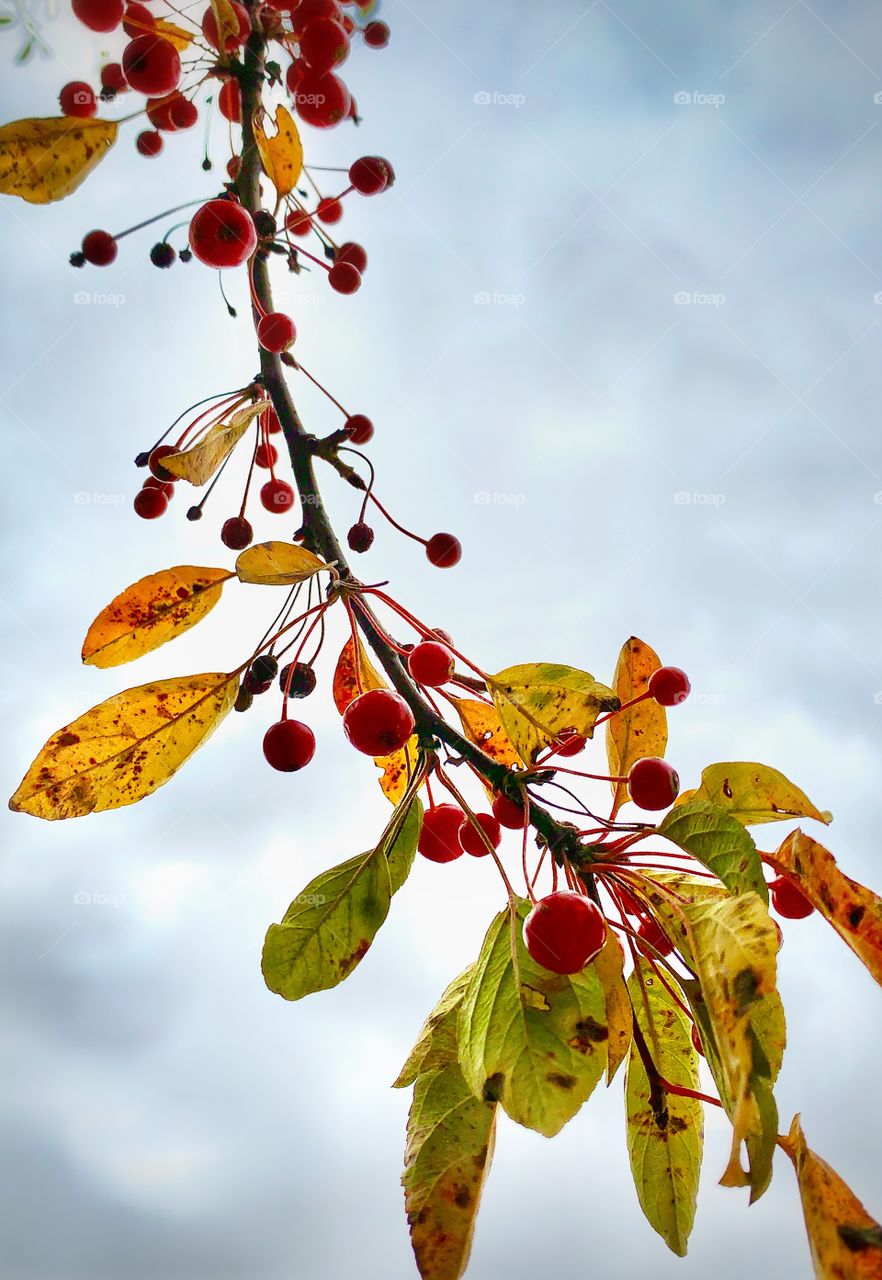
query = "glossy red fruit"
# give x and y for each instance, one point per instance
(299, 222)
(269, 420)
(444, 550)
(324, 45)
(295, 73)
(276, 332)
(369, 175)
(183, 113)
(99, 248)
(289, 745)
(222, 234)
(322, 101)
(344, 278)
(652, 935)
(149, 142)
(378, 722)
(236, 533)
(137, 20)
(151, 65)
(564, 931)
(439, 837)
(330, 211)
(150, 503)
(277, 496)
(112, 78)
(308, 11)
(165, 486)
(431, 663)
(669, 686)
(569, 743)
(359, 428)
(354, 254)
(159, 112)
(78, 99)
(653, 784)
(229, 101)
(154, 462)
(789, 900)
(508, 813)
(376, 35)
(471, 839)
(99, 15)
(266, 456)
(232, 42)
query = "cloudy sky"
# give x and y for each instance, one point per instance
(620, 331)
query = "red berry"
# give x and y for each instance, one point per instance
(651, 933)
(330, 210)
(564, 931)
(222, 234)
(229, 101)
(277, 496)
(99, 248)
(269, 420)
(352, 253)
(324, 45)
(322, 101)
(439, 837)
(289, 745)
(669, 686)
(183, 113)
(789, 900)
(154, 462)
(266, 455)
(652, 783)
(444, 550)
(295, 73)
(299, 222)
(99, 15)
(137, 19)
(236, 533)
(508, 813)
(149, 143)
(232, 42)
(431, 663)
(471, 839)
(276, 332)
(628, 902)
(360, 537)
(344, 277)
(159, 112)
(376, 35)
(151, 65)
(150, 503)
(78, 99)
(568, 743)
(112, 78)
(164, 486)
(359, 428)
(378, 722)
(308, 11)
(369, 175)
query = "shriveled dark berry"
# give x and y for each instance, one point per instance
(264, 667)
(302, 679)
(244, 699)
(162, 254)
(360, 537)
(194, 513)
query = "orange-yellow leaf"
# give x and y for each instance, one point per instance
(754, 794)
(282, 154)
(854, 911)
(641, 730)
(126, 747)
(175, 35)
(46, 160)
(355, 674)
(151, 612)
(227, 22)
(277, 564)
(198, 464)
(481, 725)
(846, 1242)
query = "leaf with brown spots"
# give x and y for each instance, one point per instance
(846, 1242)
(199, 463)
(436, 1044)
(609, 966)
(277, 564)
(282, 153)
(125, 748)
(532, 1040)
(355, 674)
(719, 842)
(46, 160)
(854, 912)
(754, 794)
(641, 730)
(536, 701)
(151, 612)
(664, 1147)
(482, 726)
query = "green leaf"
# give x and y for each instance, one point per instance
(532, 1040)
(719, 842)
(641, 730)
(329, 927)
(437, 1042)
(665, 1147)
(754, 793)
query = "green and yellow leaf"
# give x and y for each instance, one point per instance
(125, 748)
(151, 612)
(641, 730)
(355, 674)
(482, 726)
(46, 160)
(281, 153)
(198, 464)
(536, 701)
(610, 965)
(436, 1044)
(754, 793)
(277, 564)
(717, 840)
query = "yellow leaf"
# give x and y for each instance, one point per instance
(46, 160)
(609, 966)
(176, 36)
(481, 725)
(277, 564)
(198, 464)
(854, 912)
(754, 793)
(126, 747)
(282, 154)
(538, 700)
(227, 22)
(641, 730)
(151, 612)
(846, 1243)
(355, 674)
